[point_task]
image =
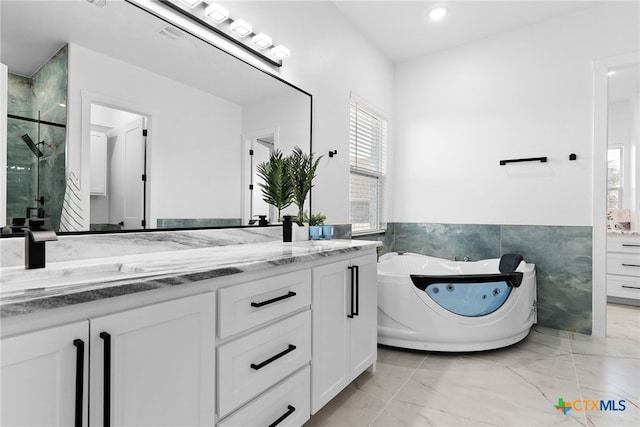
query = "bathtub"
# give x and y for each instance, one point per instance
(430, 303)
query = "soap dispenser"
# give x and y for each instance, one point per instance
(287, 229)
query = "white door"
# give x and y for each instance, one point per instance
(134, 155)
(330, 333)
(155, 365)
(39, 374)
(364, 325)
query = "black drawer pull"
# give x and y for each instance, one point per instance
(271, 359)
(630, 265)
(630, 245)
(352, 283)
(106, 399)
(290, 410)
(630, 287)
(271, 301)
(79, 380)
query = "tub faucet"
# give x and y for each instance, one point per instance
(35, 237)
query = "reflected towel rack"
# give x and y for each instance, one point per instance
(529, 159)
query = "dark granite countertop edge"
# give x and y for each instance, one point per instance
(41, 300)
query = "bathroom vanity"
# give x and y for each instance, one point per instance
(623, 268)
(254, 334)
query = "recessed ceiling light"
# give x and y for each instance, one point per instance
(612, 72)
(438, 13)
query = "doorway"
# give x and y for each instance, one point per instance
(118, 187)
(257, 148)
(603, 192)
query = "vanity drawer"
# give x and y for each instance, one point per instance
(623, 264)
(631, 246)
(623, 287)
(245, 306)
(253, 363)
(290, 399)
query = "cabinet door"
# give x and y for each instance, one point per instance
(364, 339)
(330, 337)
(154, 365)
(44, 377)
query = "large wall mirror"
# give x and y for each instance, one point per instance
(120, 120)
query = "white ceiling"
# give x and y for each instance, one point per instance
(402, 31)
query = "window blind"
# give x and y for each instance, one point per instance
(367, 141)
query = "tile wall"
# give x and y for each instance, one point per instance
(562, 255)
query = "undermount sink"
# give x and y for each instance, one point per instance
(13, 280)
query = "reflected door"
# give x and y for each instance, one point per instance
(134, 149)
(127, 152)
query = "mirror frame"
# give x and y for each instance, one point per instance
(225, 51)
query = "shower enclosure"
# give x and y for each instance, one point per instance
(36, 135)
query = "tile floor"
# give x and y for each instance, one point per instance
(514, 386)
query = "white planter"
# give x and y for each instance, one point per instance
(300, 232)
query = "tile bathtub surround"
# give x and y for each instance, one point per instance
(514, 386)
(562, 255)
(88, 246)
(197, 222)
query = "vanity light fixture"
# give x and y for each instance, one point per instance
(212, 16)
(280, 52)
(438, 13)
(262, 41)
(216, 13)
(241, 27)
(192, 3)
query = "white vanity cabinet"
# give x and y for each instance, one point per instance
(344, 325)
(265, 350)
(155, 365)
(43, 374)
(267, 346)
(152, 365)
(623, 267)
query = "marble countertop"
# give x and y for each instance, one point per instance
(73, 282)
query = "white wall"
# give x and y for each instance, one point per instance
(526, 93)
(329, 59)
(190, 131)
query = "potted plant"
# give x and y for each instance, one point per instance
(303, 170)
(277, 188)
(315, 225)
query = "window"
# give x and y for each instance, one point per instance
(614, 181)
(367, 140)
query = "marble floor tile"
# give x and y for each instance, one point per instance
(516, 386)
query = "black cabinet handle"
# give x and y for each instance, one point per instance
(106, 410)
(630, 287)
(353, 282)
(271, 359)
(630, 265)
(79, 380)
(290, 410)
(357, 268)
(630, 245)
(271, 301)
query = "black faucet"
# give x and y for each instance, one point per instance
(35, 237)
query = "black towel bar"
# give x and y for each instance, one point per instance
(529, 159)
